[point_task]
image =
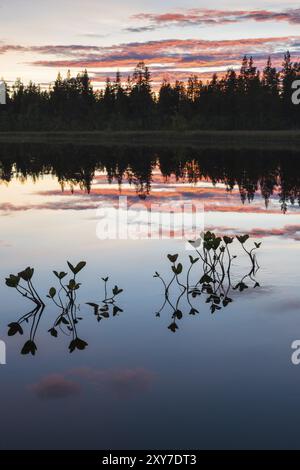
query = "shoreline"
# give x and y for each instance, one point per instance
(241, 139)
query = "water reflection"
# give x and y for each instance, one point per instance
(214, 280)
(65, 299)
(270, 172)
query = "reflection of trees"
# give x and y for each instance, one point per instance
(214, 281)
(269, 172)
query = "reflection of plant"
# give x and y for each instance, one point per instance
(22, 282)
(108, 306)
(15, 327)
(65, 300)
(215, 280)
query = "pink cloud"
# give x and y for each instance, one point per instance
(205, 17)
(123, 383)
(55, 386)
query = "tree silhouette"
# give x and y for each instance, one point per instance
(245, 100)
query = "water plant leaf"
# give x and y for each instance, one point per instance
(75, 269)
(116, 310)
(26, 274)
(53, 332)
(242, 238)
(52, 292)
(173, 327)
(177, 269)
(116, 290)
(77, 343)
(12, 281)
(205, 279)
(14, 328)
(172, 258)
(227, 240)
(29, 348)
(60, 275)
(178, 314)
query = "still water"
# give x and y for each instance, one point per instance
(221, 379)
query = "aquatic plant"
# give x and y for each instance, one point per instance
(108, 305)
(214, 281)
(22, 282)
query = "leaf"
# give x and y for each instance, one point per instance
(173, 327)
(52, 292)
(193, 260)
(227, 240)
(177, 269)
(116, 310)
(77, 343)
(29, 347)
(60, 275)
(95, 307)
(257, 245)
(12, 281)
(173, 258)
(193, 311)
(14, 328)
(53, 332)
(178, 314)
(116, 291)
(27, 274)
(242, 238)
(226, 301)
(105, 279)
(104, 314)
(73, 285)
(205, 279)
(79, 267)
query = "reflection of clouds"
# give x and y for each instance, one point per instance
(286, 305)
(288, 231)
(124, 383)
(4, 244)
(55, 386)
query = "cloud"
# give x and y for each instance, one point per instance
(174, 59)
(205, 17)
(123, 383)
(55, 386)
(287, 231)
(172, 52)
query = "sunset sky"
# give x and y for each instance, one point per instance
(175, 38)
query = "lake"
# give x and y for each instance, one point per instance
(154, 369)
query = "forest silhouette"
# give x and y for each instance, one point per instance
(249, 99)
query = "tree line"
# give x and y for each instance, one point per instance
(248, 99)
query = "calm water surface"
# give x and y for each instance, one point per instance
(222, 380)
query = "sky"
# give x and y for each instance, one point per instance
(39, 38)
